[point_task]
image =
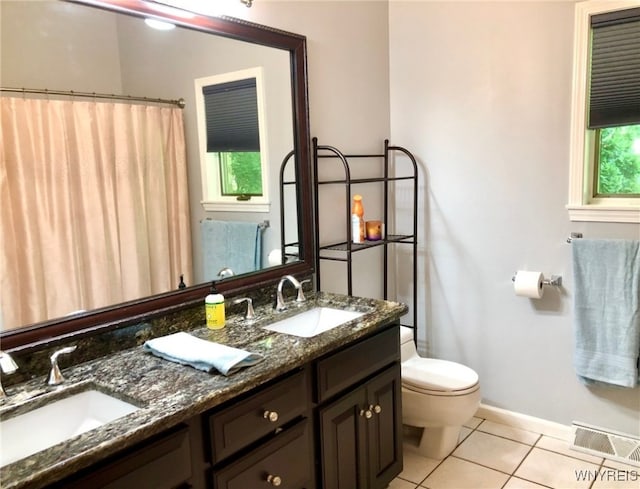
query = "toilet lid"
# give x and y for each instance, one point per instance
(437, 375)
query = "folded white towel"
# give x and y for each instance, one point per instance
(201, 354)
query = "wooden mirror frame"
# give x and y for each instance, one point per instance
(128, 312)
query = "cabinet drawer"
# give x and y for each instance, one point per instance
(247, 420)
(288, 457)
(345, 368)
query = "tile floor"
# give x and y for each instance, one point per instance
(496, 456)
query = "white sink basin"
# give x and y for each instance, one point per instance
(58, 421)
(313, 322)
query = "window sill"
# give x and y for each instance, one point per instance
(604, 213)
(236, 206)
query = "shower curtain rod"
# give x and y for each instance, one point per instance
(180, 102)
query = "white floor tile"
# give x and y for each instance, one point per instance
(516, 483)
(488, 452)
(614, 464)
(464, 432)
(416, 468)
(516, 434)
(561, 446)
(401, 484)
(555, 470)
(473, 423)
(492, 451)
(455, 473)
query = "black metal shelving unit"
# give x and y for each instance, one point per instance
(343, 251)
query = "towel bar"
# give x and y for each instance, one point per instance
(263, 225)
(574, 236)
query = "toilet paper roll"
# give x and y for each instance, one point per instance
(528, 284)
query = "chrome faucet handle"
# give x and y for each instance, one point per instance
(250, 315)
(55, 376)
(301, 297)
(7, 366)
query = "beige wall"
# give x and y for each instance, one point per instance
(348, 64)
(24, 62)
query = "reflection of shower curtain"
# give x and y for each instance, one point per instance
(93, 205)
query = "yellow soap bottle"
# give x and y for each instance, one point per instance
(214, 311)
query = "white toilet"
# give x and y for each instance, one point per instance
(437, 395)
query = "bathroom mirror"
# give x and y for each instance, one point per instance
(297, 209)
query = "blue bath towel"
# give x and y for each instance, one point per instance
(229, 244)
(201, 354)
(607, 310)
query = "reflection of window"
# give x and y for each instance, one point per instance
(232, 141)
(240, 174)
(605, 146)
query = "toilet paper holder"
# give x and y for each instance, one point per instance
(555, 280)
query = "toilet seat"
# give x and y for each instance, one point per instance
(438, 377)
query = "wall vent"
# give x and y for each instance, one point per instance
(600, 442)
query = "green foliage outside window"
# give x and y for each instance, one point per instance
(618, 161)
(241, 173)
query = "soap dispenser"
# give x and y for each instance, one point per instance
(214, 310)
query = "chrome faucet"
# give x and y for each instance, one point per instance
(250, 315)
(8, 366)
(280, 305)
(55, 376)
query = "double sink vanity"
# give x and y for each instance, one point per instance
(321, 410)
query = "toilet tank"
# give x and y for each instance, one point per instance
(407, 346)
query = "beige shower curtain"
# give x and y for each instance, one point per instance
(94, 205)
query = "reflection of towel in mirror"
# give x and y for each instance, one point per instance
(607, 310)
(229, 244)
(201, 354)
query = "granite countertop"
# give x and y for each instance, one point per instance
(168, 393)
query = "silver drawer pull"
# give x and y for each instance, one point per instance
(377, 409)
(271, 416)
(366, 413)
(274, 480)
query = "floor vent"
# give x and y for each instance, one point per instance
(609, 444)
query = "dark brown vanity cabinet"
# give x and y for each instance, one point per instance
(360, 431)
(334, 423)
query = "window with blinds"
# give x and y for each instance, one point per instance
(614, 92)
(230, 112)
(614, 103)
(604, 156)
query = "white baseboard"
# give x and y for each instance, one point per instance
(524, 422)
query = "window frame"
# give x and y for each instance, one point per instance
(212, 198)
(582, 206)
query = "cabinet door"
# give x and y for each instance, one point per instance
(343, 442)
(384, 395)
